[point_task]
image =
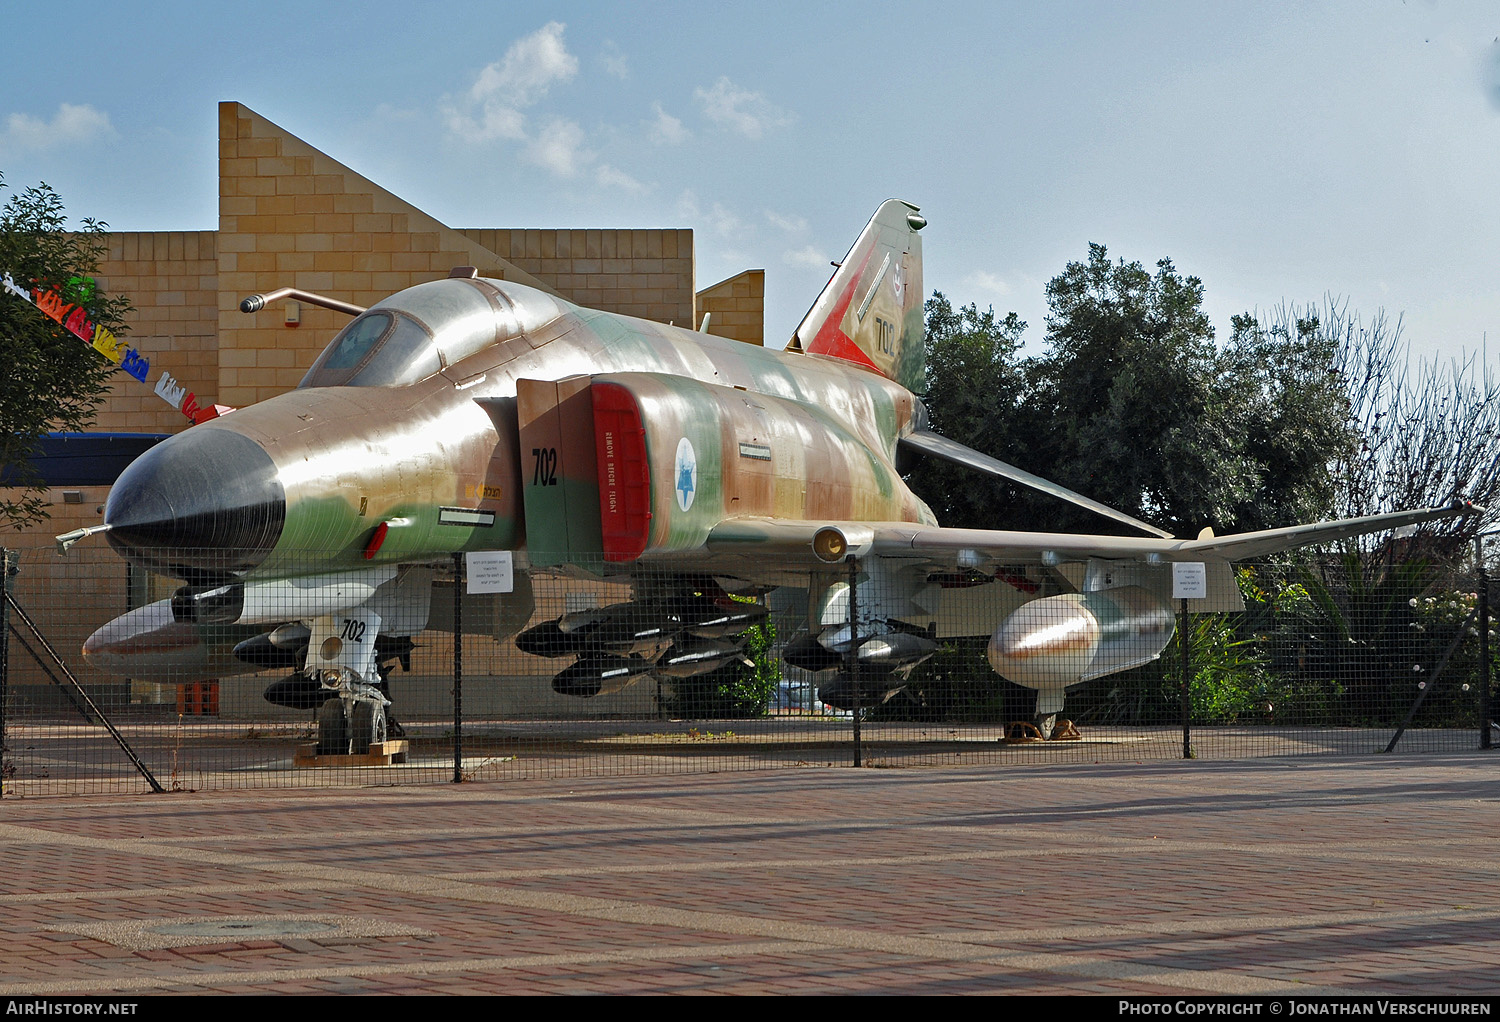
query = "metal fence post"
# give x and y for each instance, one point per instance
(1484, 644)
(458, 669)
(851, 659)
(4, 656)
(1187, 702)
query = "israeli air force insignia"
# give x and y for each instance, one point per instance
(686, 474)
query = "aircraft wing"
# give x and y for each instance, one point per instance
(813, 542)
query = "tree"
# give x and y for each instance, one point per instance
(1289, 407)
(52, 380)
(1132, 386)
(1133, 404)
(1428, 432)
(975, 393)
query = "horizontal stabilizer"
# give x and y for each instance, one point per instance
(951, 450)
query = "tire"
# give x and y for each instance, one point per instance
(333, 729)
(367, 727)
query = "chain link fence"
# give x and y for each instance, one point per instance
(120, 680)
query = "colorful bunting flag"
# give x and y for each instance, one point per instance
(75, 319)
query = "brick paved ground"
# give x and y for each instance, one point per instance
(1373, 876)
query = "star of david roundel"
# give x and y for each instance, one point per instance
(686, 474)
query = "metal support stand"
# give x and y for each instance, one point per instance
(41, 661)
(1184, 639)
(1458, 640)
(851, 658)
(458, 669)
(82, 693)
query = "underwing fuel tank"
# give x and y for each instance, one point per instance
(151, 644)
(1060, 640)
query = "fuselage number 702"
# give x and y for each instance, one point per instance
(544, 472)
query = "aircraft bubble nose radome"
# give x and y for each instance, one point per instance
(204, 500)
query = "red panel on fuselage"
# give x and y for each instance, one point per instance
(624, 475)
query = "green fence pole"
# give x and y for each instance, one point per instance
(4, 656)
(1184, 640)
(458, 669)
(1484, 644)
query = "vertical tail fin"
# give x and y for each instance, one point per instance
(871, 311)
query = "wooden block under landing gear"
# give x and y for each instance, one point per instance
(380, 754)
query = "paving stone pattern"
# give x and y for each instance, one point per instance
(1335, 877)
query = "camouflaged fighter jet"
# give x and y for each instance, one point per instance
(468, 414)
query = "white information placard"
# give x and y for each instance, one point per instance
(1189, 580)
(490, 571)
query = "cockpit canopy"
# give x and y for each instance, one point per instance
(425, 329)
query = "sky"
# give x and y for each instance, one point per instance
(1280, 152)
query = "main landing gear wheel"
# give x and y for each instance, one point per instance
(333, 729)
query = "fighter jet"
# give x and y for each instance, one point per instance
(468, 414)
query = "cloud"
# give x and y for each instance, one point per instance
(717, 218)
(1491, 72)
(529, 68)
(722, 221)
(790, 224)
(741, 110)
(614, 61)
(558, 146)
(493, 107)
(492, 123)
(666, 129)
(806, 256)
(609, 177)
(71, 125)
(988, 284)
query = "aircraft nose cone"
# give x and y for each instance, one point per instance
(205, 500)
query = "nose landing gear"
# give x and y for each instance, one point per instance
(353, 718)
(349, 725)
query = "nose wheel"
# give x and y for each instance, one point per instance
(367, 726)
(350, 731)
(333, 728)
